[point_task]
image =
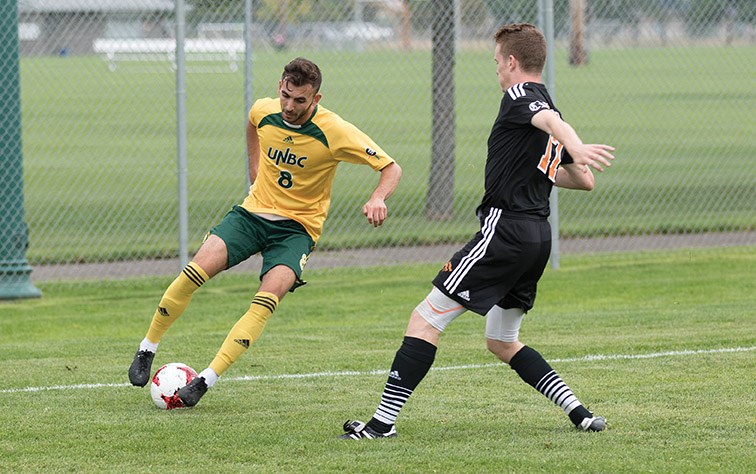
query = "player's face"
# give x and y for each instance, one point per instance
(502, 68)
(297, 103)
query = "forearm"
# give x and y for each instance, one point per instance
(389, 180)
(254, 164)
(550, 122)
(253, 152)
(575, 177)
(375, 209)
(594, 155)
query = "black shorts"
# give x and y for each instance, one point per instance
(501, 265)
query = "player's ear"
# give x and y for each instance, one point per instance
(316, 99)
(512, 62)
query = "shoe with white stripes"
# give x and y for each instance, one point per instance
(597, 423)
(359, 430)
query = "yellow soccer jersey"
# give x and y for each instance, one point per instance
(298, 162)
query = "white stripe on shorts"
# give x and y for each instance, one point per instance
(479, 251)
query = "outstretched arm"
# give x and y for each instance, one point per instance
(577, 175)
(594, 155)
(375, 209)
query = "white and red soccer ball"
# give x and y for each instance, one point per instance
(166, 383)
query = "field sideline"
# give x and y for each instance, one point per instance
(247, 378)
(661, 343)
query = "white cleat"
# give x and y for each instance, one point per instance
(597, 423)
(359, 430)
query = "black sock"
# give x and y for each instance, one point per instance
(534, 370)
(411, 363)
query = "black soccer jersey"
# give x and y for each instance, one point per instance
(522, 159)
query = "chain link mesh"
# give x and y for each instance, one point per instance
(668, 82)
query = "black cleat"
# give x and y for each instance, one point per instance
(359, 430)
(139, 372)
(191, 393)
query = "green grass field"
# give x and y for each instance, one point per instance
(99, 147)
(661, 344)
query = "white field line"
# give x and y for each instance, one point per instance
(587, 358)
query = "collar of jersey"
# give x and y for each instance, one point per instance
(308, 128)
(297, 127)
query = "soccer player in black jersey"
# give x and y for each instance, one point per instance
(495, 274)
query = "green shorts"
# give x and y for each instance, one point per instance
(279, 242)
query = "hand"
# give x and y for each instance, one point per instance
(593, 155)
(376, 211)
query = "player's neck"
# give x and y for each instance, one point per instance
(523, 77)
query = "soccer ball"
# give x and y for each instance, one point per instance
(166, 383)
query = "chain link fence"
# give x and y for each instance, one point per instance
(668, 82)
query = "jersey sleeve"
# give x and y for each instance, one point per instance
(260, 109)
(522, 103)
(352, 145)
(523, 108)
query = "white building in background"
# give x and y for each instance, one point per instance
(63, 27)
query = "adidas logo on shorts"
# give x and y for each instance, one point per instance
(465, 295)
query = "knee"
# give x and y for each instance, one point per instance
(419, 328)
(212, 256)
(503, 350)
(278, 281)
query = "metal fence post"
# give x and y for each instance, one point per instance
(549, 80)
(439, 204)
(183, 198)
(248, 96)
(15, 273)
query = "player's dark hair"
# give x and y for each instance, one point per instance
(300, 72)
(526, 43)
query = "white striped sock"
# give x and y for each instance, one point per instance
(552, 386)
(392, 400)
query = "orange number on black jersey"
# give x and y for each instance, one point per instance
(551, 158)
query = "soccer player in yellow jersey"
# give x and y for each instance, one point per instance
(294, 146)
